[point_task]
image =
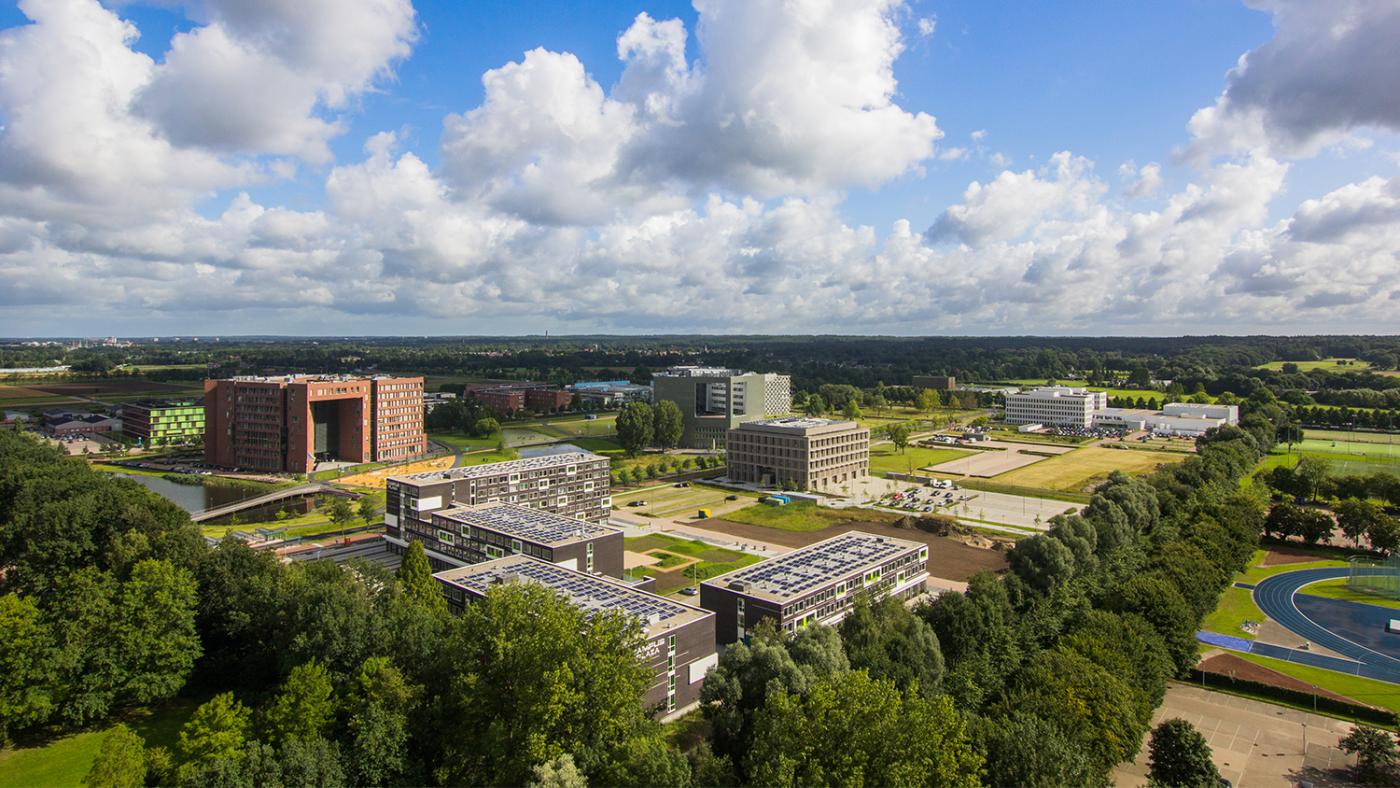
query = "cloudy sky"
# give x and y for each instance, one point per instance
(834, 166)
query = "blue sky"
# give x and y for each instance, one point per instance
(266, 201)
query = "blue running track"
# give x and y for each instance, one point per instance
(1353, 630)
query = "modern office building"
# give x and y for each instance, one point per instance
(574, 485)
(293, 422)
(62, 424)
(1060, 406)
(714, 400)
(548, 400)
(679, 639)
(939, 382)
(611, 393)
(471, 534)
(800, 452)
(157, 423)
(815, 584)
(1177, 418)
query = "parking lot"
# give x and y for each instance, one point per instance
(75, 444)
(1014, 510)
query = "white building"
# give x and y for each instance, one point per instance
(1161, 423)
(1230, 414)
(1059, 406)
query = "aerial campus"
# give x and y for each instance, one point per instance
(699, 393)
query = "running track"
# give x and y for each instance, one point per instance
(1274, 596)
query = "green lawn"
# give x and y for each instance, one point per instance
(1355, 437)
(670, 501)
(714, 561)
(1254, 574)
(1337, 589)
(1236, 607)
(1368, 691)
(65, 761)
(1326, 363)
(466, 442)
(1343, 464)
(885, 458)
(800, 516)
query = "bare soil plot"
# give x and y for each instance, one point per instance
(1231, 665)
(1290, 555)
(947, 557)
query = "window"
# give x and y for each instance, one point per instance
(446, 537)
(466, 532)
(515, 545)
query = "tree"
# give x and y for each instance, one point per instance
(889, 642)
(532, 676)
(1025, 751)
(852, 410)
(878, 402)
(217, 730)
(1180, 756)
(899, 436)
(1376, 755)
(26, 677)
(668, 425)
(634, 427)
(367, 510)
(485, 427)
(340, 512)
(559, 772)
(158, 640)
(1384, 535)
(415, 575)
(378, 727)
(1356, 517)
(929, 401)
(884, 736)
(1042, 562)
(304, 706)
(815, 406)
(1312, 472)
(120, 761)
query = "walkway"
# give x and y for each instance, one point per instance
(272, 497)
(1275, 597)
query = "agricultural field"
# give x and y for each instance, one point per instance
(669, 501)
(684, 562)
(885, 458)
(801, 516)
(1332, 364)
(1083, 469)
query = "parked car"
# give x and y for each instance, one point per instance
(690, 590)
(731, 497)
(636, 503)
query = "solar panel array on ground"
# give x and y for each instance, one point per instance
(590, 592)
(524, 523)
(804, 569)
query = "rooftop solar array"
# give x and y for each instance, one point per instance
(497, 468)
(590, 592)
(791, 575)
(522, 522)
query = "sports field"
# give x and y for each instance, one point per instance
(1085, 468)
(885, 458)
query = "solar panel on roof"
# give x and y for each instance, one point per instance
(508, 466)
(792, 574)
(522, 522)
(587, 591)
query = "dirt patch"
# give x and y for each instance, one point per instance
(1290, 555)
(378, 479)
(948, 557)
(631, 560)
(1231, 665)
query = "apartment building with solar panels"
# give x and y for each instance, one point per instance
(472, 534)
(678, 639)
(575, 485)
(816, 584)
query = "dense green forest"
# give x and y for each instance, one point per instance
(325, 674)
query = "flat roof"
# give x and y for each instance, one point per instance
(593, 593)
(799, 424)
(289, 378)
(793, 574)
(524, 523)
(540, 462)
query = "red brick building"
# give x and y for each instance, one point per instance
(548, 400)
(502, 401)
(291, 423)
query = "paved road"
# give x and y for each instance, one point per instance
(1275, 597)
(248, 503)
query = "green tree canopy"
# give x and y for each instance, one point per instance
(120, 761)
(218, 730)
(667, 424)
(635, 425)
(1180, 757)
(304, 706)
(889, 642)
(26, 670)
(416, 578)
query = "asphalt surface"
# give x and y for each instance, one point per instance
(1277, 598)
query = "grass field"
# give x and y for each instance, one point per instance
(1341, 464)
(1254, 574)
(483, 457)
(1368, 691)
(801, 516)
(65, 761)
(671, 501)
(1353, 437)
(1085, 468)
(1236, 607)
(462, 442)
(885, 458)
(1326, 363)
(577, 426)
(712, 561)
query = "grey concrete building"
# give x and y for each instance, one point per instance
(576, 485)
(714, 400)
(798, 452)
(678, 639)
(815, 584)
(472, 534)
